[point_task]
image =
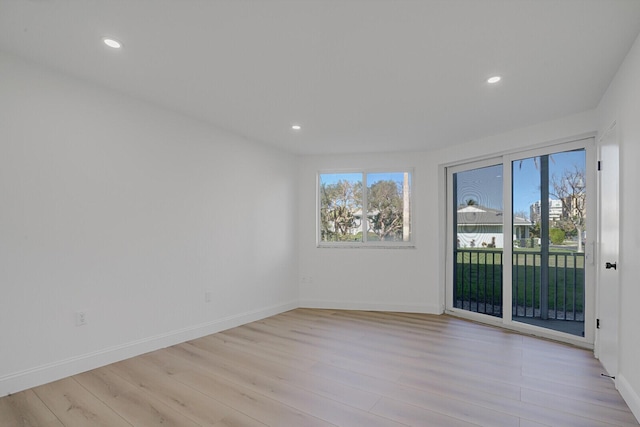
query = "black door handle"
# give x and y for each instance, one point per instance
(611, 265)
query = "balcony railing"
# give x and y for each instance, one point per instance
(478, 284)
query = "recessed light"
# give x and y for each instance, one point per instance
(494, 79)
(113, 43)
(296, 127)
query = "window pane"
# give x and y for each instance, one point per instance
(478, 221)
(341, 207)
(479, 208)
(548, 261)
(388, 207)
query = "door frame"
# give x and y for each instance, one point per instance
(606, 337)
(506, 158)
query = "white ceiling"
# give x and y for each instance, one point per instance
(358, 75)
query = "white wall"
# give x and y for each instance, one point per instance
(621, 104)
(131, 213)
(369, 278)
(399, 279)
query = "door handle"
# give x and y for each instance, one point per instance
(611, 265)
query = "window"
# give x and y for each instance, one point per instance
(364, 208)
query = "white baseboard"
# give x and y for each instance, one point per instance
(371, 306)
(29, 378)
(629, 395)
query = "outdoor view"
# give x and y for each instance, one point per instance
(548, 237)
(387, 207)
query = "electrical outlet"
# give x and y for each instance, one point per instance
(81, 318)
(207, 296)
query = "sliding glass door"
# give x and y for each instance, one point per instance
(519, 243)
(478, 221)
(548, 283)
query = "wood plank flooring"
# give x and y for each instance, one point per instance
(311, 367)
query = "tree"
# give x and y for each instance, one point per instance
(386, 208)
(556, 235)
(521, 214)
(534, 231)
(570, 189)
(339, 203)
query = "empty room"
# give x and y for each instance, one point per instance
(319, 213)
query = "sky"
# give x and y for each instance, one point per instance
(484, 185)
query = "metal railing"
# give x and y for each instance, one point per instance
(478, 283)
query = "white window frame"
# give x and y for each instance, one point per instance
(366, 243)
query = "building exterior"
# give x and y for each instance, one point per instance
(556, 211)
(480, 227)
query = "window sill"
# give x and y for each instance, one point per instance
(361, 246)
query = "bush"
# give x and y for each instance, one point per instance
(557, 236)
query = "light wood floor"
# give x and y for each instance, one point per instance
(308, 368)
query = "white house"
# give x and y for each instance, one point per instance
(479, 226)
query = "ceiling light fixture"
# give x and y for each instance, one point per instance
(113, 43)
(296, 127)
(494, 79)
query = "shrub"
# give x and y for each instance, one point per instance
(557, 236)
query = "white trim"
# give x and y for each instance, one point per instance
(351, 245)
(516, 150)
(507, 250)
(371, 306)
(33, 377)
(599, 261)
(443, 237)
(629, 395)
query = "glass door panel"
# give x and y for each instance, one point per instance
(478, 232)
(549, 220)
